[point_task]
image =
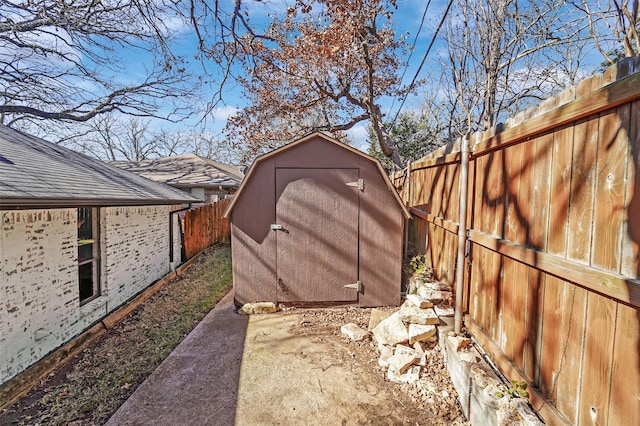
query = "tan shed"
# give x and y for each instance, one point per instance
(317, 221)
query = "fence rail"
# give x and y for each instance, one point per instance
(551, 288)
(205, 226)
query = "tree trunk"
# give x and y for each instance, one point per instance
(387, 145)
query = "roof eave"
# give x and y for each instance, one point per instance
(39, 203)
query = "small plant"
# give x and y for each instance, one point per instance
(517, 389)
(419, 267)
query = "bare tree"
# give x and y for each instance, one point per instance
(61, 60)
(614, 27)
(504, 54)
(118, 138)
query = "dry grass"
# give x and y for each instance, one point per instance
(95, 383)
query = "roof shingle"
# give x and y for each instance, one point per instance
(185, 171)
(34, 172)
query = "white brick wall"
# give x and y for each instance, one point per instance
(39, 275)
(135, 243)
(39, 284)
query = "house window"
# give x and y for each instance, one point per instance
(88, 254)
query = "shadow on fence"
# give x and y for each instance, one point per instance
(551, 291)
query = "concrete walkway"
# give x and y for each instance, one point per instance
(198, 382)
(262, 370)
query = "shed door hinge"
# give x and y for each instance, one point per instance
(357, 286)
(357, 184)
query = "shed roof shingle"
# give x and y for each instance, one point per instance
(36, 173)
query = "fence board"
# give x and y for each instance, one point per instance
(610, 181)
(582, 189)
(205, 226)
(618, 93)
(631, 228)
(512, 293)
(598, 359)
(623, 408)
(570, 367)
(529, 299)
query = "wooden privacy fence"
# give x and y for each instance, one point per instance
(205, 226)
(550, 278)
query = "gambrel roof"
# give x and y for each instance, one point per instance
(37, 173)
(302, 141)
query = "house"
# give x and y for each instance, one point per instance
(79, 238)
(207, 179)
(317, 221)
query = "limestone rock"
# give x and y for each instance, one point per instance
(420, 333)
(418, 301)
(437, 286)
(411, 376)
(258, 308)
(353, 332)
(418, 348)
(386, 352)
(420, 353)
(469, 357)
(376, 317)
(444, 312)
(460, 342)
(391, 331)
(402, 349)
(414, 315)
(433, 295)
(401, 361)
(521, 406)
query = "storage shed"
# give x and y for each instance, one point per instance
(317, 221)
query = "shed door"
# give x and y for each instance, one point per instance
(317, 247)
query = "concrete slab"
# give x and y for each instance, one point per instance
(295, 379)
(198, 382)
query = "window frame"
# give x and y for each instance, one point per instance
(95, 255)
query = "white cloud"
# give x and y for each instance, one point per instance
(359, 134)
(223, 113)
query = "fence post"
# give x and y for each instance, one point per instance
(407, 200)
(462, 231)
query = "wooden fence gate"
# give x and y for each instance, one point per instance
(205, 226)
(551, 288)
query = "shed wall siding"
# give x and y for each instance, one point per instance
(253, 244)
(381, 223)
(381, 226)
(38, 266)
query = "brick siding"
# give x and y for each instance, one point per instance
(40, 307)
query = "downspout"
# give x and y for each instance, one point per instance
(171, 232)
(462, 231)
